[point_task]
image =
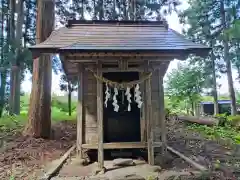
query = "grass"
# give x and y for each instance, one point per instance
(227, 134)
(9, 123)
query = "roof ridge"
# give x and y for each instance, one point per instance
(114, 23)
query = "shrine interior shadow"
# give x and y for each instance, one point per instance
(124, 125)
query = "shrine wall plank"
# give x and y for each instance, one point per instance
(156, 106)
(90, 99)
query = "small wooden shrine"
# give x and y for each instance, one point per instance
(120, 67)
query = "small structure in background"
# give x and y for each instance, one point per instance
(207, 107)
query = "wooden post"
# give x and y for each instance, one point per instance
(162, 113)
(100, 118)
(80, 109)
(148, 113)
(142, 111)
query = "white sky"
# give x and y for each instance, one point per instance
(173, 22)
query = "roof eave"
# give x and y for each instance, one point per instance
(180, 53)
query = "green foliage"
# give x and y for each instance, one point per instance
(9, 123)
(225, 120)
(62, 104)
(234, 31)
(184, 84)
(58, 115)
(227, 134)
(114, 9)
(234, 121)
(59, 112)
(237, 139)
(12, 177)
(216, 24)
(222, 119)
(228, 129)
(202, 29)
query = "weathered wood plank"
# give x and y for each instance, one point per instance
(142, 112)
(80, 111)
(162, 113)
(120, 54)
(122, 145)
(90, 96)
(193, 163)
(55, 165)
(148, 109)
(100, 118)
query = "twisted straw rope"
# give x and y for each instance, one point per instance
(122, 84)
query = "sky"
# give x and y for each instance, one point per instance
(173, 22)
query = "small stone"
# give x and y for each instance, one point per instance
(156, 168)
(123, 162)
(102, 171)
(228, 153)
(79, 162)
(99, 171)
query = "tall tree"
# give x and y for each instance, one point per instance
(185, 84)
(15, 79)
(114, 9)
(39, 116)
(209, 21)
(12, 47)
(225, 24)
(202, 30)
(4, 52)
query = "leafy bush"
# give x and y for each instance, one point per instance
(234, 121)
(222, 119)
(227, 133)
(237, 139)
(62, 105)
(9, 123)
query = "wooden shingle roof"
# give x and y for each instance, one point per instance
(117, 36)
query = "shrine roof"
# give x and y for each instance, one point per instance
(108, 36)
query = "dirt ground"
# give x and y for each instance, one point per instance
(223, 161)
(23, 157)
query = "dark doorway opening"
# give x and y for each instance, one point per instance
(124, 125)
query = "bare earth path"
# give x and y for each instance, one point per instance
(22, 157)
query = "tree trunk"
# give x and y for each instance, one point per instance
(101, 13)
(15, 70)
(228, 62)
(94, 10)
(2, 91)
(214, 92)
(69, 99)
(200, 120)
(82, 10)
(2, 84)
(39, 115)
(125, 10)
(12, 9)
(192, 104)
